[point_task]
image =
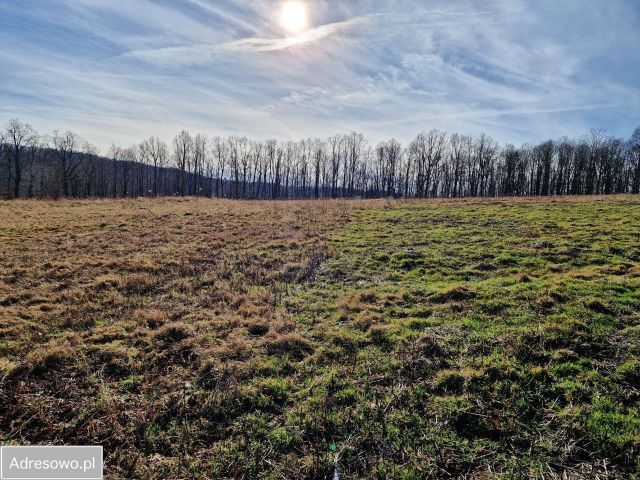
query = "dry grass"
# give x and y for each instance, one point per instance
(107, 309)
(493, 338)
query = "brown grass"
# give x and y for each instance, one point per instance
(492, 338)
(115, 306)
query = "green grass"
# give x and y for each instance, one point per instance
(479, 335)
(426, 339)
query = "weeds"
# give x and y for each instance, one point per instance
(406, 339)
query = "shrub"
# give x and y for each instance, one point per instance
(131, 383)
(115, 358)
(271, 393)
(348, 341)
(6, 368)
(368, 296)
(281, 438)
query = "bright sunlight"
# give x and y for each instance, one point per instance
(294, 16)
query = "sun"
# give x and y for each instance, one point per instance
(293, 16)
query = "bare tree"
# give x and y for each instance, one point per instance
(182, 150)
(65, 148)
(238, 162)
(433, 165)
(257, 150)
(19, 135)
(33, 151)
(6, 166)
(128, 185)
(563, 170)
(457, 160)
(220, 153)
(427, 150)
(389, 156)
(335, 144)
(319, 159)
(484, 155)
(155, 152)
(89, 164)
(199, 158)
(634, 149)
(115, 153)
(355, 144)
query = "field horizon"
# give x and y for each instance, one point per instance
(396, 338)
(323, 240)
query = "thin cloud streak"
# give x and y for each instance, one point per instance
(195, 54)
(118, 72)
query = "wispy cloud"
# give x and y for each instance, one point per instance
(195, 54)
(521, 71)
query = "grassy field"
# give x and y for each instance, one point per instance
(385, 339)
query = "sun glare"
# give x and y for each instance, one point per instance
(293, 17)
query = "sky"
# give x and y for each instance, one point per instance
(119, 71)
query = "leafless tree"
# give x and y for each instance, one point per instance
(335, 145)
(182, 151)
(155, 152)
(433, 165)
(200, 143)
(65, 147)
(115, 153)
(89, 164)
(19, 135)
(634, 149)
(319, 164)
(5, 167)
(220, 155)
(34, 150)
(427, 150)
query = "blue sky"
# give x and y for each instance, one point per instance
(122, 70)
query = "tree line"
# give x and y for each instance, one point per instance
(434, 164)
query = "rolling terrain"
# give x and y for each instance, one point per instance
(196, 338)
